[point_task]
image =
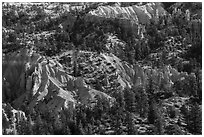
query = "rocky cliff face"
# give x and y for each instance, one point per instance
(43, 83)
(81, 62)
(135, 14)
(34, 81)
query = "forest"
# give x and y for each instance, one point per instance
(102, 68)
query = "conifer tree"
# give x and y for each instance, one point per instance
(195, 119)
(120, 101)
(185, 112)
(173, 130)
(141, 101)
(39, 126)
(152, 112)
(81, 129)
(130, 102)
(23, 128)
(193, 85)
(30, 126)
(98, 109)
(151, 88)
(117, 126)
(159, 124)
(131, 129)
(155, 117)
(90, 129)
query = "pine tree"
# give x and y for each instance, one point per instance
(131, 129)
(39, 128)
(30, 125)
(61, 126)
(98, 109)
(92, 121)
(117, 126)
(152, 112)
(121, 100)
(23, 128)
(172, 112)
(195, 119)
(117, 116)
(199, 84)
(159, 124)
(81, 129)
(151, 88)
(193, 85)
(90, 129)
(185, 112)
(155, 117)
(119, 96)
(173, 130)
(142, 101)
(75, 64)
(130, 102)
(66, 130)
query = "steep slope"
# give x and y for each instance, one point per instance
(43, 84)
(10, 117)
(106, 69)
(78, 68)
(47, 18)
(106, 72)
(135, 14)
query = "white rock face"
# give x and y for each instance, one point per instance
(137, 14)
(44, 84)
(37, 82)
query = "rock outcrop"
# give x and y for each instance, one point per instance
(10, 118)
(135, 14)
(36, 82)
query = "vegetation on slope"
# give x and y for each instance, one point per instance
(143, 78)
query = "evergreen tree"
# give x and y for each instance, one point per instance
(90, 129)
(23, 127)
(130, 102)
(30, 126)
(81, 129)
(193, 85)
(117, 118)
(173, 130)
(199, 84)
(159, 124)
(142, 101)
(131, 129)
(40, 127)
(195, 119)
(75, 64)
(117, 126)
(151, 88)
(119, 96)
(185, 112)
(89, 113)
(152, 112)
(98, 109)
(155, 117)
(172, 112)
(92, 121)
(74, 130)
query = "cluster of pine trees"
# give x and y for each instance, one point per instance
(120, 118)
